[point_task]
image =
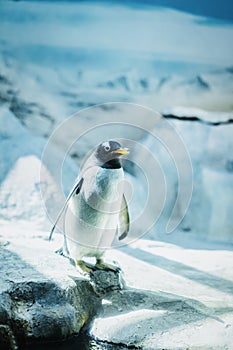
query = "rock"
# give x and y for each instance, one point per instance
(146, 320)
(7, 339)
(42, 296)
(106, 281)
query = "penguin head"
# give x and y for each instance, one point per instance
(110, 150)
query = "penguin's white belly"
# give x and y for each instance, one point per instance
(92, 216)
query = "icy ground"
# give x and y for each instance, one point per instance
(179, 295)
(204, 275)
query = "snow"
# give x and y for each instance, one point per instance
(200, 273)
(23, 177)
(184, 295)
(209, 211)
(204, 115)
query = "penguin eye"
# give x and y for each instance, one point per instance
(107, 148)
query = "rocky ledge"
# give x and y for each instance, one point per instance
(43, 298)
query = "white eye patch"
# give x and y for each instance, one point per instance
(106, 146)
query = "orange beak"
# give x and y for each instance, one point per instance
(122, 151)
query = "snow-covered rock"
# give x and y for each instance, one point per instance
(29, 187)
(209, 212)
(42, 296)
(160, 321)
(211, 117)
(207, 179)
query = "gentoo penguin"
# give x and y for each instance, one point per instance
(96, 212)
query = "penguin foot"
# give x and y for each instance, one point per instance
(82, 267)
(101, 265)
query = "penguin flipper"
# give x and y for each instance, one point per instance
(76, 189)
(123, 224)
